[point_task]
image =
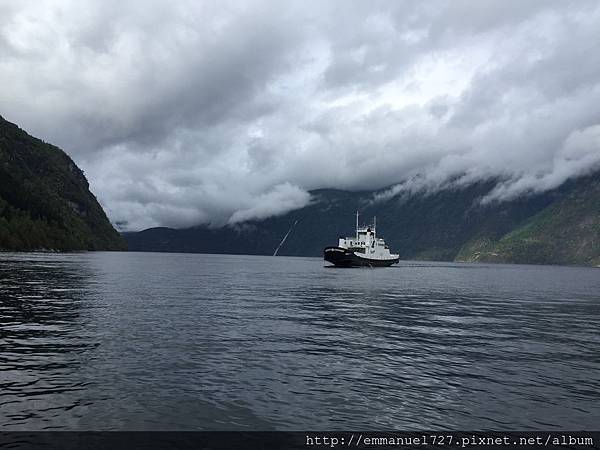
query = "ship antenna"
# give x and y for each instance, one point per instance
(374, 226)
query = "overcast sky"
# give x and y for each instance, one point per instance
(188, 112)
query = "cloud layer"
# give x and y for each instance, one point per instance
(188, 112)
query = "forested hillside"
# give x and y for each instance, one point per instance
(45, 201)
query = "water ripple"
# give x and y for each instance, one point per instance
(114, 341)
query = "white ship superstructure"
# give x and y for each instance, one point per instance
(363, 249)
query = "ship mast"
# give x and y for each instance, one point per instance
(374, 227)
(357, 224)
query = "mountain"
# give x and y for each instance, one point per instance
(45, 201)
(565, 232)
(561, 226)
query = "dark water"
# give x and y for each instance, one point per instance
(114, 341)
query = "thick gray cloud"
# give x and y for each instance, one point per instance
(187, 112)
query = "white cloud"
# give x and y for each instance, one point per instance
(191, 112)
(281, 199)
(580, 155)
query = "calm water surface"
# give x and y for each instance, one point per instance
(122, 341)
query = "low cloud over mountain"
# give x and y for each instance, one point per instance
(189, 112)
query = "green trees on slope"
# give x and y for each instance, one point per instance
(45, 202)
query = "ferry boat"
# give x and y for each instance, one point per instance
(363, 250)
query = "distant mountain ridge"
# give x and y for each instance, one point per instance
(561, 226)
(45, 201)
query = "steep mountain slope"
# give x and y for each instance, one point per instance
(447, 225)
(566, 232)
(45, 201)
